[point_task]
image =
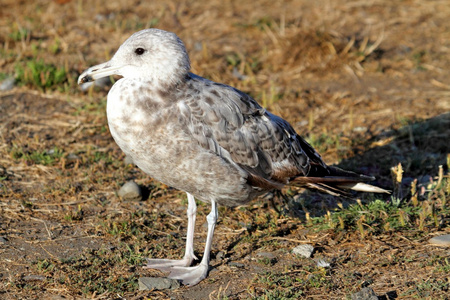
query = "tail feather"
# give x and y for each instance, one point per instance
(337, 181)
(363, 187)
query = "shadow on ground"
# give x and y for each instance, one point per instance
(420, 147)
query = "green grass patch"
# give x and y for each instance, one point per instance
(291, 284)
(37, 157)
(324, 142)
(19, 34)
(3, 76)
(40, 75)
(423, 209)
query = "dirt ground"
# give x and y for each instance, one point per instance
(366, 82)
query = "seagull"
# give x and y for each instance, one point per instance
(207, 139)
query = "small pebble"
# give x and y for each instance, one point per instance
(7, 84)
(303, 250)
(130, 191)
(266, 255)
(365, 294)
(220, 255)
(158, 283)
(72, 156)
(360, 129)
(236, 264)
(441, 240)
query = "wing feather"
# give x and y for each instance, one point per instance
(230, 123)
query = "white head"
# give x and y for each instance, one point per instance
(151, 54)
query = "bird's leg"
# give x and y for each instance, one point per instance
(191, 213)
(189, 253)
(193, 275)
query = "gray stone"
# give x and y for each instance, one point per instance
(303, 250)
(130, 191)
(7, 84)
(236, 264)
(441, 240)
(157, 283)
(365, 294)
(220, 255)
(72, 157)
(3, 240)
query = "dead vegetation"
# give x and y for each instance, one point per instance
(365, 82)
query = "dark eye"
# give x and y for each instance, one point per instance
(139, 51)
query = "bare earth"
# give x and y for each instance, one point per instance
(367, 82)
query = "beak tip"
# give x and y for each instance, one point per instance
(84, 78)
(96, 72)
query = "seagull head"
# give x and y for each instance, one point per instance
(152, 54)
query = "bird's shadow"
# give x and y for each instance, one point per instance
(420, 146)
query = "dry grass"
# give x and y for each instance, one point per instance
(366, 82)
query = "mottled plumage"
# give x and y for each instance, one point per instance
(208, 139)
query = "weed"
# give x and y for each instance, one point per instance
(76, 215)
(44, 265)
(38, 74)
(133, 255)
(19, 34)
(3, 76)
(38, 157)
(263, 23)
(122, 229)
(418, 58)
(267, 261)
(292, 284)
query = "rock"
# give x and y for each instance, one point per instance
(236, 264)
(130, 191)
(441, 240)
(303, 250)
(3, 240)
(72, 157)
(157, 283)
(7, 84)
(220, 255)
(365, 294)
